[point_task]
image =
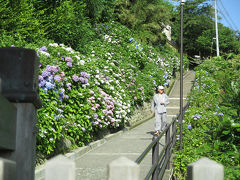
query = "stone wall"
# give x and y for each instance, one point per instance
(142, 113)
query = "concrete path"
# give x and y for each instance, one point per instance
(93, 164)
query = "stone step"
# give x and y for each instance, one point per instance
(175, 102)
(173, 110)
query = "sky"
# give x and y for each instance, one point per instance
(232, 8)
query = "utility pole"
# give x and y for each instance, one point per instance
(216, 25)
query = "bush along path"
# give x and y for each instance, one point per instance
(85, 94)
(212, 123)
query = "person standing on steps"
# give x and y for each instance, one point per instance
(159, 104)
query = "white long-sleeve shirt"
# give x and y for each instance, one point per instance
(156, 103)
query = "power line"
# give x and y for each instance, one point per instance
(223, 15)
(226, 12)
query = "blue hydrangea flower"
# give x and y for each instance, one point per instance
(131, 39)
(49, 85)
(220, 114)
(44, 48)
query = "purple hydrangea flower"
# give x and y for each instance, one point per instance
(40, 78)
(42, 83)
(85, 81)
(82, 80)
(68, 59)
(62, 74)
(69, 64)
(165, 84)
(45, 73)
(44, 48)
(54, 69)
(189, 126)
(68, 84)
(162, 64)
(75, 78)
(220, 114)
(107, 78)
(97, 105)
(215, 113)
(57, 78)
(197, 116)
(84, 74)
(48, 68)
(95, 116)
(87, 76)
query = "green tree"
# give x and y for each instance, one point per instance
(198, 17)
(99, 10)
(228, 42)
(199, 30)
(68, 24)
(147, 17)
(19, 20)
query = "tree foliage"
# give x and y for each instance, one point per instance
(147, 17)
(67, 24)
(197, 19)
(18, 19)
(199, 30)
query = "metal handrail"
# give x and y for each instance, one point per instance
(145, 152)
(161, 160)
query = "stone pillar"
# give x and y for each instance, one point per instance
(19, 73)
(205, 169)
(7, 169)
(8, 113)
(123, 168)
(60, 168)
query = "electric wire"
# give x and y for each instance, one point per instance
(227, 14)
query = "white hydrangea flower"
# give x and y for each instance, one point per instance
(53, 44)
(45, 53)
(82, 62)
(77, 57)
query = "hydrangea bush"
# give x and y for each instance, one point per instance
(212, 125)
(84, 94)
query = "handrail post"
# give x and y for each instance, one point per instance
(155, 156)
(174, 132)
(167, 152)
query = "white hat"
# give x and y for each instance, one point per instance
(160, 87)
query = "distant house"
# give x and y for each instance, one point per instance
(168, 31)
